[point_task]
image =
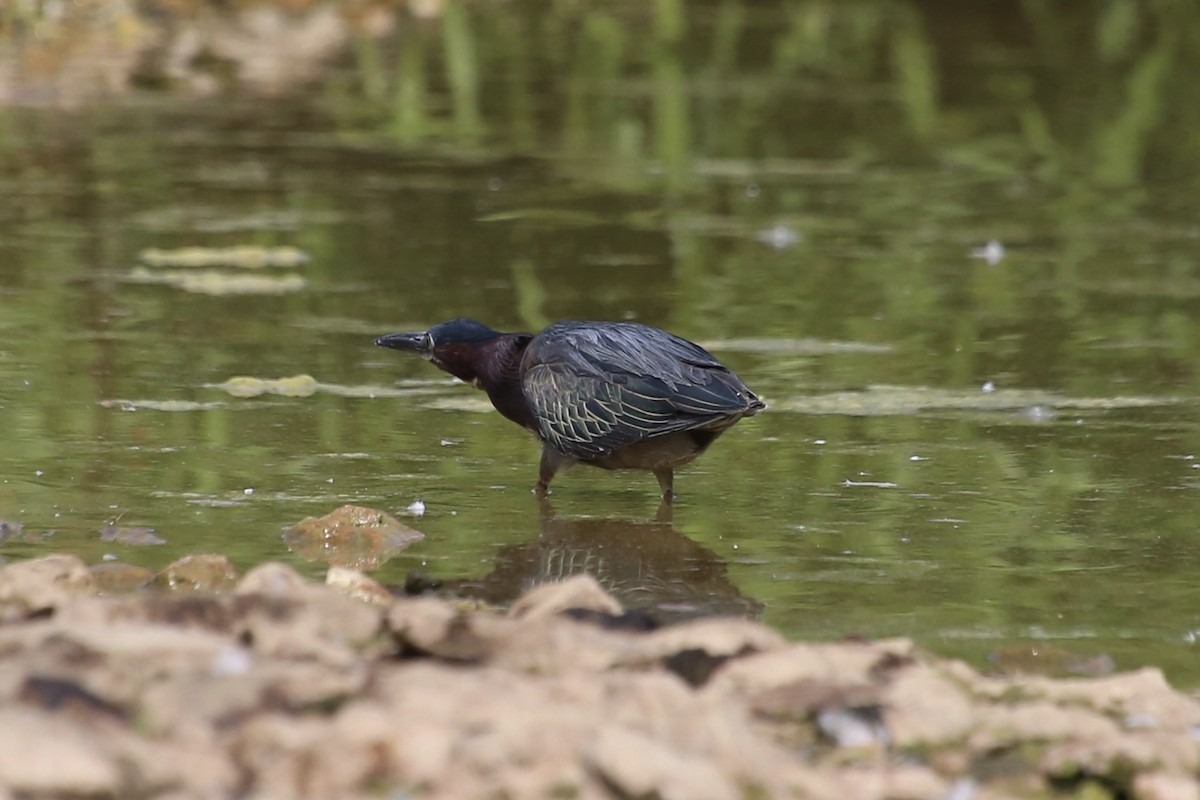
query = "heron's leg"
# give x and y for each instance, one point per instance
(666, 482)
(551, 462)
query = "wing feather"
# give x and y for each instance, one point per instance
(596, 387)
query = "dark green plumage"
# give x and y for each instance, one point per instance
(617, 395)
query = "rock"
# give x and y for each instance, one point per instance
(1166, 786)
(554, 645)
(716, 636)
(1008, 726)
(272, 578)
(351, 536)
(426, 626)
(142, 642)
(1117, 757)
(640, 766)
(894, 781)
(1142, 697)
(578, 591)
(44, 583)
(204, 572)
(175, 768)
(116, 577)
(211, 698)
(173, 611)
(319, 623)
(841, 664)
(289, 688)
(297, 758)
(359, 586)
(68, 698)
(924, 707)
(44, 755)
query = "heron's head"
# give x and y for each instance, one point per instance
(459, 346)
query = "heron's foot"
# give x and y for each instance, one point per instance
(666, 482)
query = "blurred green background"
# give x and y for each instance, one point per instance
(955, 246)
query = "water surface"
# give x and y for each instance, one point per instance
(976, 445)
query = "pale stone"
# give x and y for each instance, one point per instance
(116, 577)
(923, 707)
(1166, 786)
(578, 591)
(351, 536)
(46, 582)
(640, 766)
(203, 572)
(272, 578)
(359, 586)
(43, 755)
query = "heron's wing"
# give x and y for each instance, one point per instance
(594, 387)
(623, 348)
(586, 416)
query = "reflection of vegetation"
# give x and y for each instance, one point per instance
(733, 79)
(707, 98)
(747, 84)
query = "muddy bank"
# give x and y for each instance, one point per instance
(282, 688)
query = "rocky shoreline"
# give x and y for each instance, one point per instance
(279, 687)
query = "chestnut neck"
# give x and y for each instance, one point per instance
(498, 372)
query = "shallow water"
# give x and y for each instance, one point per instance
(975, 445)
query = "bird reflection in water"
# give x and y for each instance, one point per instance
(645, 565)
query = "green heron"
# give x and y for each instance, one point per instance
(616, 395)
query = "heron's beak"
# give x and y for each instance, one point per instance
(412, 342)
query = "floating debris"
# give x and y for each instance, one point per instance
(130, 535)
(219, 283)
(992, 253)
(779, 237)
(244, 256)
(158, 405)
(15, 530)
(888, 400)
(246, 386)
(793, 346)
(552, 217)
(1040, 413)
(620, 260)
(207, 219)
(416, 508)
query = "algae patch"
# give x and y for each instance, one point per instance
(893, 400)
